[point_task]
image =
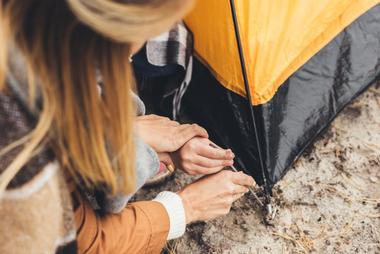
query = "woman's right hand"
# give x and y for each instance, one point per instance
(212, 196)
(164, 135)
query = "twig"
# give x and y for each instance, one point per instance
(376, 233)
(372, 215)
(340, 194)
(346, 228)
(284, 185)
(369, 200)
(332, 189)
(352, 182)
(320, 234)
(302, 203)
(287, 237)
(373, 90)
(342, 232)
(307, 242)
(171, 246)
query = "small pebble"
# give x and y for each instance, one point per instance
(373, 179)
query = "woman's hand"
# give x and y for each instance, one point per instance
(213, 195)
(198, 157)
(164, 135)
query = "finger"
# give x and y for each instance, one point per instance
(196, 169)
(242, 179)
(187, 132)
(229, 152)
(239, 189)
(174, 123)
(211, 163)
(195, 130)
(165, 121)
(237, 196)
(150, 117)
(233, 189)
(215, 153)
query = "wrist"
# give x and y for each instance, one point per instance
(187, 205)
(176, 212)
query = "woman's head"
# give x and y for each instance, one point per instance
(130, 20)
(65, 45)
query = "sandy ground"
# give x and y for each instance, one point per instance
(328, 202)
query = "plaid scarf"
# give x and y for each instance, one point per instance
(167, 54)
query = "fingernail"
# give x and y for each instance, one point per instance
(230, 154)
(170, 168)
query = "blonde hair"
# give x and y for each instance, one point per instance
(63, 43)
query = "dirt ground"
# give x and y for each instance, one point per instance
(328, 202)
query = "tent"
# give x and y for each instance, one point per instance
(303, 62)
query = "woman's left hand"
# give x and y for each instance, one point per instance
(164, 135)
(198, 157)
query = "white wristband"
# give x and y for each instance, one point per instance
(176, 212)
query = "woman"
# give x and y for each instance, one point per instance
(63, 136)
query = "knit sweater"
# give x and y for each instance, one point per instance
(37, 202)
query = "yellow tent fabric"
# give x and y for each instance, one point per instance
(278, 37)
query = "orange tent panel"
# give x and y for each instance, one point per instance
(278, 37)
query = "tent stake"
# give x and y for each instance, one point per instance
(249, 100)
(235, 170)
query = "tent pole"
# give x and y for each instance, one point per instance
(249, 100)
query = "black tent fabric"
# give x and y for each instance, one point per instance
(302, 108)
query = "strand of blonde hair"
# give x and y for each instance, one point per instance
(92, 135)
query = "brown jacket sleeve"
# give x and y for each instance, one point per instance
(142, 227)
